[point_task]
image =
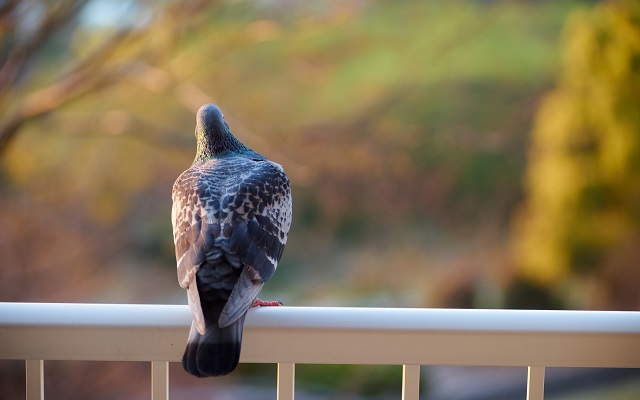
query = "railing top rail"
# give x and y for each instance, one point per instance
(328, 318)
(329, 335)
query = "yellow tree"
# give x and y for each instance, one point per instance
(578, 232)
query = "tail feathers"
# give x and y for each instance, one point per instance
(215, 353)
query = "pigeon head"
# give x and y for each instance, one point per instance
(214, 139)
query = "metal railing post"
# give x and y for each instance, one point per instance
(286, 381)
(410, 382)
(535, 383)
(35, 379)
(159, 380)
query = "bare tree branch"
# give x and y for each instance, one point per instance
(58, 94)
(103, 66)
(24, 50)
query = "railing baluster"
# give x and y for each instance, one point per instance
(286, 380)
(410, 382)
(35, 379)
(159, 380)
(535, 383)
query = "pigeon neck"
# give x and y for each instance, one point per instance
(214, 144)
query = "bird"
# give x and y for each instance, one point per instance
(231, 216)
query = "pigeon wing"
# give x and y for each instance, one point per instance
(190, 242)
(260, 220)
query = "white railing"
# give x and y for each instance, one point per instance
(318, 335)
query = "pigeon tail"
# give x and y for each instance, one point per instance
(217, 352)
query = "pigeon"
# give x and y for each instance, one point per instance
(231, 216)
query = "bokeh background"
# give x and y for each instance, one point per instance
(475, 154)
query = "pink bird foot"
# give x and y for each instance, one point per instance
(263, 303)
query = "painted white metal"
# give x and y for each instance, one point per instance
(35, 379)
(157, 333)
(410, 382)
(339, 335)
(286, 381)
(101, 332)
(159, 380)
(535, 383)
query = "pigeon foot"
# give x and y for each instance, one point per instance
(263, 303)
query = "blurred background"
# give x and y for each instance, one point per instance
(469, 154)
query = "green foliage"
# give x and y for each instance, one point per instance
(370, 381)
(583, 176)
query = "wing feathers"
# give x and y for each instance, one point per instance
(244, 293)
(196, 308)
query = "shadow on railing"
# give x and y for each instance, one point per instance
(321, 335)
